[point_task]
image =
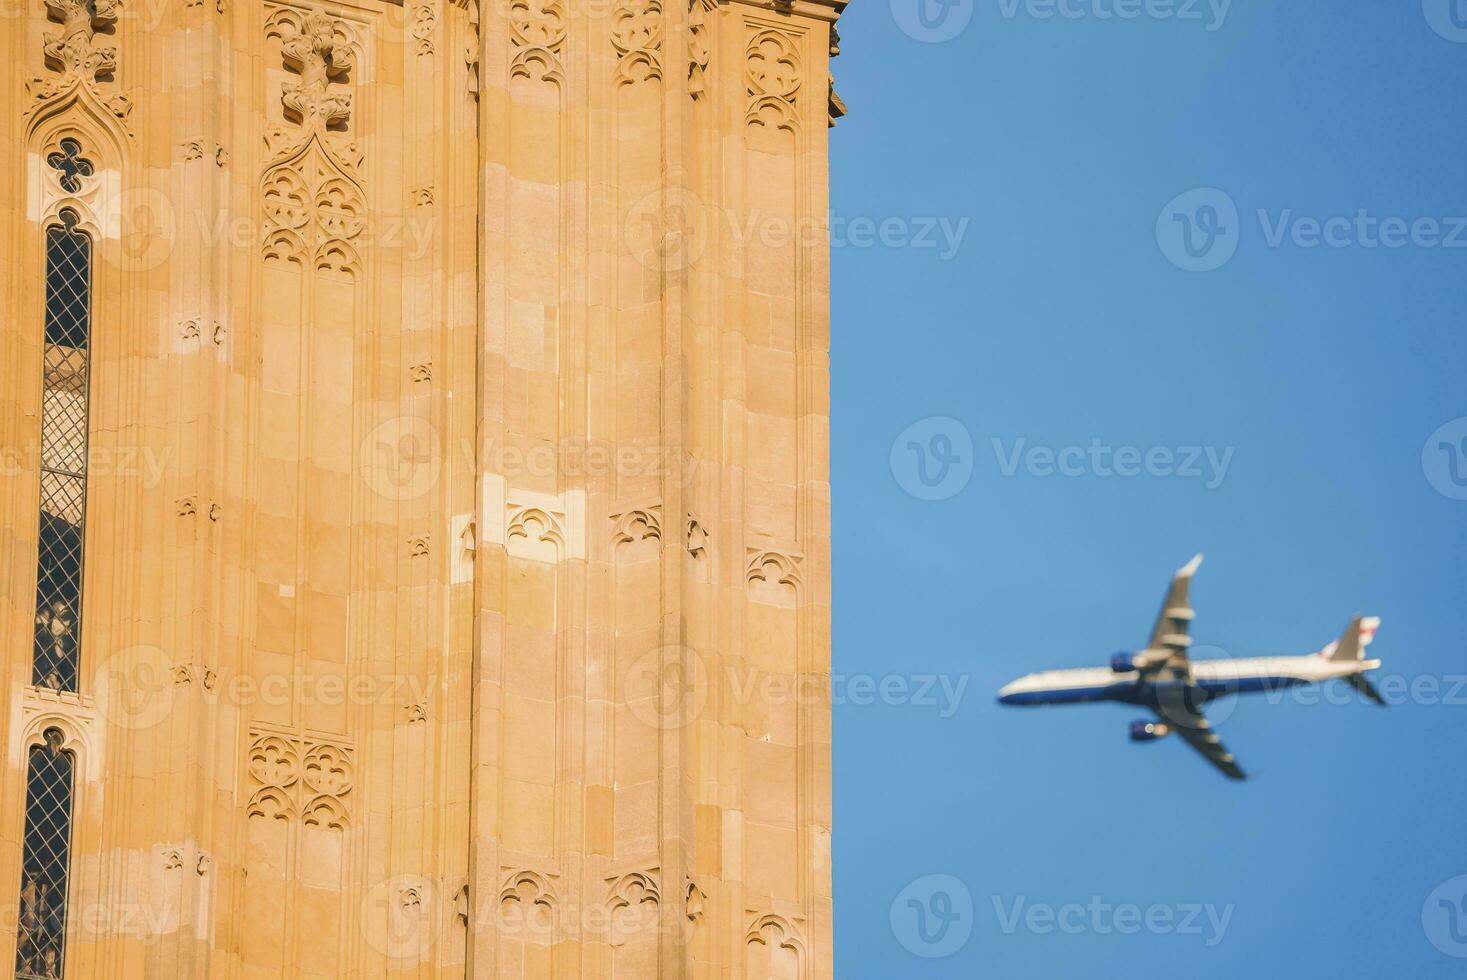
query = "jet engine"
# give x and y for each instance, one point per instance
(1148, 731)
(1124, 662)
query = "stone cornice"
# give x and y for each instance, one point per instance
(826, 10)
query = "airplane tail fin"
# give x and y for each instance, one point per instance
(1350, 647)
(1352, 643)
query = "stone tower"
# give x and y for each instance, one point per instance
(416, 540)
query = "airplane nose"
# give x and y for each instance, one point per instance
(1018, 691)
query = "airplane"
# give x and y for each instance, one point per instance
(1162, 678)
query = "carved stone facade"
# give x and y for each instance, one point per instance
(456, 486)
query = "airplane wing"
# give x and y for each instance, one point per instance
(1171, 635)
(1176, 711)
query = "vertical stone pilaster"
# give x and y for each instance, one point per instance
(765, 83)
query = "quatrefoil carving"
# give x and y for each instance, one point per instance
(772, 68)
(303, 776)
(71, 165)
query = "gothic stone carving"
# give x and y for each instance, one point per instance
(636, 34)
(535, 533)
(774, 568)
(527, 904)
(694, 902)
(300, 777)
(71, 167)
(778, 939)
(696, 537)
(632, 905)
(471, 50)
(698, 49)
(312, 191)
(187, 673)
(195, 150)
(772, 71)
(79, 61)
(425, 18)
(637, 524)
(837, 106)
(537, 35)
(319, 51)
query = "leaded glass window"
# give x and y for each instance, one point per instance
(65, 370)
(40, 952)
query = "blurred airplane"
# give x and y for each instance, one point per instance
(1162, 678)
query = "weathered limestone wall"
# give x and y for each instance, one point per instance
(457, 586)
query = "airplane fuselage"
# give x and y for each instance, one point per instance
(1211, 679)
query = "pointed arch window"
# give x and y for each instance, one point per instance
(64, 413)
(40, 951)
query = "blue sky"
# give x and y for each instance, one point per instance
(1062, 318)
